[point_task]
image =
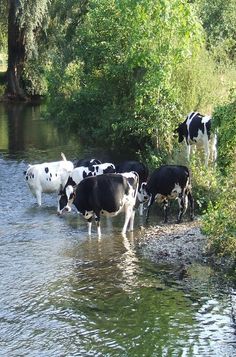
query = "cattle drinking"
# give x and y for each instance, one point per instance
(107, 194)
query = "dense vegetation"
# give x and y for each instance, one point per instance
(124, 73)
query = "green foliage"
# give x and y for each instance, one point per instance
(203, 84)
(205, 181)
(225, 122)
(219, 21)
(128, 52)
(32, 16)
(219, 222)
(3, 26)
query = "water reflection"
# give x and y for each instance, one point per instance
(25, 134)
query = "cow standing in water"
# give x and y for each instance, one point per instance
(107, 194)
(166, 183)
(196, 129)
(48, 177)
(142, 171)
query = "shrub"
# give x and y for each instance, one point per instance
(219, 222)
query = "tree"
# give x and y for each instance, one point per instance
(219, 21)
(25, 19)
(116, 74)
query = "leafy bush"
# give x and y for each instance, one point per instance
(219, 223)
(205, 185)
(220, 219)
(225, 123)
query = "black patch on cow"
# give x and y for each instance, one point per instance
(50, 175)
(87, 162)
(136, 166)
(208, 128)
(109, 170)
(63, 201)
(85, 174)
(195, 125)
(91, 168)
(71, 182)
(182, 131)
(46, 170)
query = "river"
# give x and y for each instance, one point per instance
(65, 294)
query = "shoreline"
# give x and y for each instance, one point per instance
(180, 245)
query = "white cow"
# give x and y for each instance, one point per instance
(48, 177)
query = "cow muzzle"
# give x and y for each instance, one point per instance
(64, 210)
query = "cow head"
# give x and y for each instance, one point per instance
(66, 199)
(181, 131)
(143, 196)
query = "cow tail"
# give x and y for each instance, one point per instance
(63, 156)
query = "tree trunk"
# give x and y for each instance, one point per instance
(16, 54)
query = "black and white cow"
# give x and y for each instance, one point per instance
(196, 129)
(81, 172)
(107, 195)
(142, 171)
(166, 183)
(87, 162)
(48, 177)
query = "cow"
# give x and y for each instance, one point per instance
(81, 172)
(87, 162)
(107, 194)
(166, 183)
(48, 177)
(142, 171)
(196, 129)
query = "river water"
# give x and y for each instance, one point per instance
(65, 294)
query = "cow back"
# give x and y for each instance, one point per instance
(163, 180)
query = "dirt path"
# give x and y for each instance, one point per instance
(174, 243)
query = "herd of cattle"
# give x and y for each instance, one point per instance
(97, 188)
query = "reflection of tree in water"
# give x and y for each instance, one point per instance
(16, 115)
(26, 130)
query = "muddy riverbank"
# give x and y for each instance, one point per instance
(179, 244)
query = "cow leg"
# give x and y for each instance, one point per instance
(150, 202)
(165, 206)
(183, 204)
(131, 221)
(191, 204)
(38, 195)
(97, 219)
(141, 209)
(188, 149)
(214, 148)
(207, 152)
(89, 225)
(128, 215)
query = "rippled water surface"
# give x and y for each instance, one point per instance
(65, 294)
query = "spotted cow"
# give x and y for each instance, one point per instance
(107, 194)
(48, 177)
(196, 129)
